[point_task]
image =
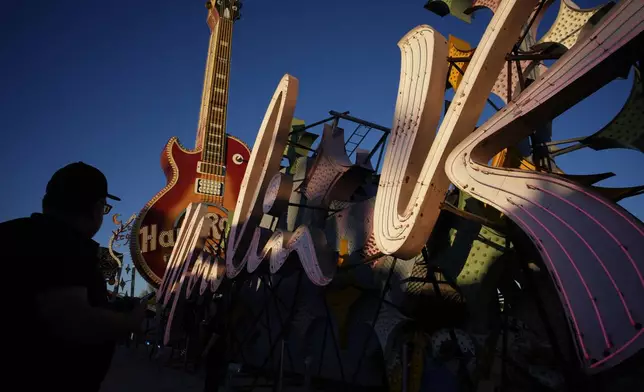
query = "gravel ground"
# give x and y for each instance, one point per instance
(132, 371)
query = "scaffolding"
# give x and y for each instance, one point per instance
(328, 365)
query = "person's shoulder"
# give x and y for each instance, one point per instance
(16, 222)
(16, 228)
(16, 243)
(27, 227)
(28, 236)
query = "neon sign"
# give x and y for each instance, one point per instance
(573, 229)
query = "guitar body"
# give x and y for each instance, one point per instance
(158, 222)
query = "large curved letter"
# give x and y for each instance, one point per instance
(264, 162)
(413, 183)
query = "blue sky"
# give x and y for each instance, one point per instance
(108, 83)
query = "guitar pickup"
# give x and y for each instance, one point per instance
(204, 186)
(211, 168)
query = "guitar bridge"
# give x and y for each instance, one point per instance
(204, 186)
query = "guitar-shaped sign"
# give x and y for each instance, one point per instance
(210, 173)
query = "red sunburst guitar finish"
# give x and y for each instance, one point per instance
(210, 173)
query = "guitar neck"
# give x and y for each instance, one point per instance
(211, 134)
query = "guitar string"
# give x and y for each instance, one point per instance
(206, 136)
(217, 136)
(215, 106)
(226, 80)
(218, 97)
(220, 105)
(221, 98)
(228, 24)
(227, 64)
(226, 35)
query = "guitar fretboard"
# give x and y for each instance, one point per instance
(211, 135)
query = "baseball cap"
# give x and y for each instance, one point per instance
(79, 182)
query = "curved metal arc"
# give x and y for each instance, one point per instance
(519, 195)
(569, 16)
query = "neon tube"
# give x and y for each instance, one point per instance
(619, 350)
(628, 255)
(635, 226)
(580, 339)
(610, 277)
(583, 282)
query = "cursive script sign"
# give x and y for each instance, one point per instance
(195, 259)
(576, 231)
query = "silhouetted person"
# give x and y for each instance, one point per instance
(59, 333)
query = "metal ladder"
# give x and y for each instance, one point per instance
(351, 145)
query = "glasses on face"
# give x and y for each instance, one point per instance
(106, 209)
